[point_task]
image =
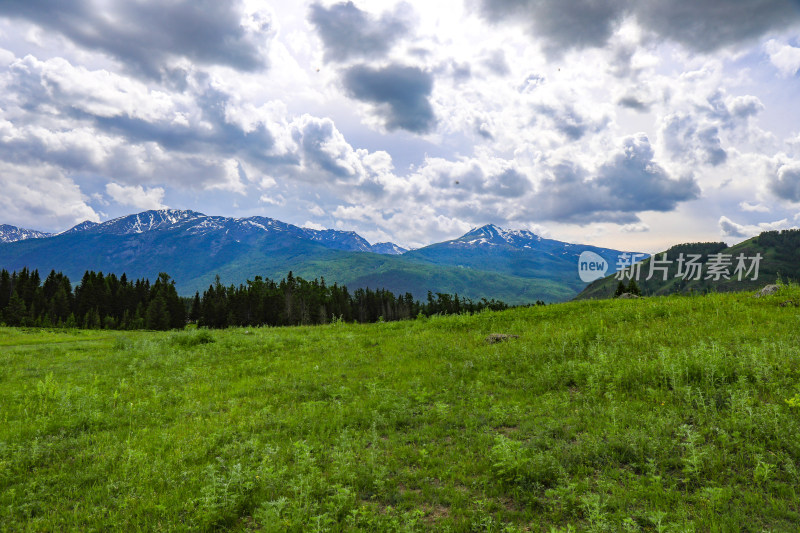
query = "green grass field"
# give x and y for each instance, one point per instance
(662, 414)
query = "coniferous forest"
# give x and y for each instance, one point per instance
(110, 302)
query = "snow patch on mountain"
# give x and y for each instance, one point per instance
(387, 248)
(83, 226)
(13, 234)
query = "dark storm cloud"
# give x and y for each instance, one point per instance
(145, 34)
(563, 25)
(786, 183)
(711, 24)
(399, 92)
(629, 183)
(632, 102)
(703, 26)
(348, 32)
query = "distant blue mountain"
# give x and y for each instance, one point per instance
(487, 262)
(195, 223)
(515, 252)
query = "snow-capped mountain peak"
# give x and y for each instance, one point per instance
(495, 235)
(148, 221)
(14, 234)
(193, 223)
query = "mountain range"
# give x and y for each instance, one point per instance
(487, 262)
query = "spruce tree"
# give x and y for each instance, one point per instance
(194, 313)
(633, 288)
(157, 315)
(621, 289)
(15, 314)
(5, 288)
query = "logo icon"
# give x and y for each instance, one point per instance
(591, 266)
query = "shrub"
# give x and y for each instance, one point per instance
(190, 339)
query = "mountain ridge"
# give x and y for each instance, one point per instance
(195, 222)
(516, 266)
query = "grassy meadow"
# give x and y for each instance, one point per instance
(661, 414)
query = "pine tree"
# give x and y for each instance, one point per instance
(15, 314)
(157, 315)
(5, 288)
(194, 313)
(621, 289)
(633, 288)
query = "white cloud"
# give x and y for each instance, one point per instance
(754, 208)
(276, 200)
(232, 178)
(6, 57)
(635, 228)
(136, 196)
(785, 57)
(729, 228)
(41, 198)
(97, 92)
(313, 225)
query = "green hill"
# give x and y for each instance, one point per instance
(395, 273)
(780, 259)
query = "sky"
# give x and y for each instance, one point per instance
(632, 124)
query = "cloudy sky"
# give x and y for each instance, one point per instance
(635, 124)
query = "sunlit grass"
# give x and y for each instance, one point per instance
(662, 414)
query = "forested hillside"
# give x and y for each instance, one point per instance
(777, 254)
(108, 302)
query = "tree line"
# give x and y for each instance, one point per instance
(98, 302)
(110, 302)
(295, 301)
